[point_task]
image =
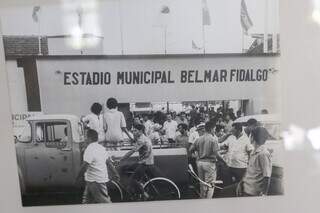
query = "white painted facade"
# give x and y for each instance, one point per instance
(63, 46)
(17, 87)
(77, 99)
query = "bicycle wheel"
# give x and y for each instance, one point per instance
(115, 191)
(160, 188)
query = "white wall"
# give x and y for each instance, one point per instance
(77, 99)
(17, 87)
(64, 46)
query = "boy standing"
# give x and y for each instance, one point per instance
(94, 120)
(257, 178)
(94, 168)
(114, 123)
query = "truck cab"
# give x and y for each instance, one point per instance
(50, 149)
(48, 152)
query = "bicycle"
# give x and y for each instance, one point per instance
(210, 185)
(154, 188)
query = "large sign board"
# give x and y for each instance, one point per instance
(154, 80)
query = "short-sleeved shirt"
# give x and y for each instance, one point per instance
(170, 128)
(148, 127)
(207, 147)
(95, 122)
(193, 135)
(260, 166)
(96, 155)
(183, 140)
(144, 147)
(114, 121)
(238, 151)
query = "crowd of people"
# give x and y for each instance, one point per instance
(215, 145)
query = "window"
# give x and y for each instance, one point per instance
(274, 130)
(80, 130)
(51, 132)
(25, 135)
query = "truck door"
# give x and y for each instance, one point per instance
(49, 161)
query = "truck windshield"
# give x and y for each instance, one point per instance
(274, 130)
(25, 135)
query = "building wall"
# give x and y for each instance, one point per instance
(17, 87)
(56, 97)
(65, 46)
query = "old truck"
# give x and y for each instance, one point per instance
(49, 155)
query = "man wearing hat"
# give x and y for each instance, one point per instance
(194, 134)
(207, 147)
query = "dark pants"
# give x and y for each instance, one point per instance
(231, 175)
(95, 193)
(193, 162)
(231, 191)
(237, 173)
(171, 141)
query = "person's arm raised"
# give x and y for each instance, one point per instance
(124, 129)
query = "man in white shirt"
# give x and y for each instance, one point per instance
(238, 152)
(94, 120)
(94, 168)
(170, 128)
(114, 123)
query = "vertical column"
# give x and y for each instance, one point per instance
(29, 66)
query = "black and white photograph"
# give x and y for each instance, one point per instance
(117, 101)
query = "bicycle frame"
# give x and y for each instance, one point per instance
(146, 182)
(210, 185)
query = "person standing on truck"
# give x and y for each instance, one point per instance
(94, 120)
(114, 123)
(207, 148)
(95, 170)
